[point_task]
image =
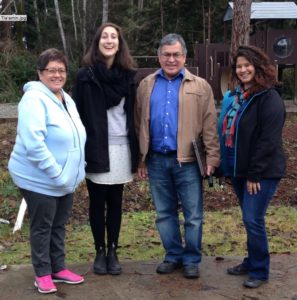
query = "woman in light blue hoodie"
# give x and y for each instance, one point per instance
(47, 164)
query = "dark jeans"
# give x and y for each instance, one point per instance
(253, 209)
(105, 210)
(171, 182)
(48, 216)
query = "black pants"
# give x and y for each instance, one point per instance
(48, 216)
(105, 210)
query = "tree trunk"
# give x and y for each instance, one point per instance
(240, 24)
(104, 11)
(37, 22)
(5, 27)
(140, 5)
(209, 14)
(162, 18)
(203, 21)
(74, 21)
(139, 12)
(84, 29)
(61, 27)
(19, 34)
(45, 11)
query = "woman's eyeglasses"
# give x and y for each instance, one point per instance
(53, 71)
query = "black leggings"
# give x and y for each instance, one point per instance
(107, 198)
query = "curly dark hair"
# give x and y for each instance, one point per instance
(265, 70)
(123, 57)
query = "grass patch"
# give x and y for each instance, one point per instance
(223, 235)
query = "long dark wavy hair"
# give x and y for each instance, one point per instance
(123, 57)
(265, 70)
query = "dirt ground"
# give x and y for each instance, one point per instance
(136, 194)
(139, 280)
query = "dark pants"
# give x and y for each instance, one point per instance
(105, 210)
(48, 216)
(253, 209)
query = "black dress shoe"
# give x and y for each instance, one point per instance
(99, 266)
(167, 267)
(237, 270)
(191, 271)
(253, 282)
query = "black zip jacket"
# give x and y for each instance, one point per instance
(92, 109)
(258, 142)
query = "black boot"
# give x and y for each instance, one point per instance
(100, 262)
(113, 266)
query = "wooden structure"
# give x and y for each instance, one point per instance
(280, 45)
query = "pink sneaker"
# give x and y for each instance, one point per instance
(45, 284)
(67, 277)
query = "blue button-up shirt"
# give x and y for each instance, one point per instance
(164, 112)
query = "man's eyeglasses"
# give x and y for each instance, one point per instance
(175, 55)
(53, 71)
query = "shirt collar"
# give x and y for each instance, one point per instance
(181, 74)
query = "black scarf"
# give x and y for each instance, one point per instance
(114, 83)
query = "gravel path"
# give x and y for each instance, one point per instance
(8, 111)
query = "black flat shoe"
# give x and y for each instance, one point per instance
(253, 283)
(191, 271)
(167, 267)
(237, 270)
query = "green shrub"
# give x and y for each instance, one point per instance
(22, 68)
(288, 83)
(9, 91)
(16, 68)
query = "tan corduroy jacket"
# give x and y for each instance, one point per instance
(196, 115)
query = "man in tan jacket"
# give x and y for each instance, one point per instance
(173, 108)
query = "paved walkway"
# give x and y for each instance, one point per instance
(140, 281)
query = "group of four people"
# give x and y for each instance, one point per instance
(110, 131)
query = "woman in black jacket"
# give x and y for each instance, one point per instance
(104, 93)
(250, 128)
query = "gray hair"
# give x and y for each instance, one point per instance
(172, 39)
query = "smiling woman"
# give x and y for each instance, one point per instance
(250, 127)
(47, 164)
(54, 77)
(109, 44)
(52, 71)
(104, 93)
(245, 72)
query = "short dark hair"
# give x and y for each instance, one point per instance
(265, 70)
(172, 39)
(123, 57)
(51, 54)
